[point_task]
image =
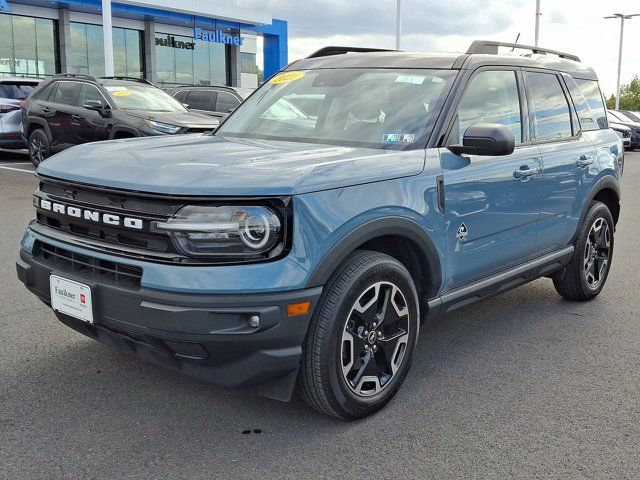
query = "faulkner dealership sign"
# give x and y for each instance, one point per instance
(217, 36)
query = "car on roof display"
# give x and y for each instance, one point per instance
(13, 91)
(354, 196)
(73, 109)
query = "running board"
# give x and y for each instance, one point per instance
(499, 283)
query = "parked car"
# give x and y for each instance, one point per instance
(215, 100)
(13, 90)
(74, 109)
(623, 132)
(277, 252)
(617, 117)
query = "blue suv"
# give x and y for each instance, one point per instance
(351, 198)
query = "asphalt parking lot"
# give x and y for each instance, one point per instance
(525, 385)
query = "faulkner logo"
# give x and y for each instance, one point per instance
(89, 215)
(217, 36)
(68, 295)
(170, 41)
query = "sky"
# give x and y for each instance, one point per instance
(574, 26)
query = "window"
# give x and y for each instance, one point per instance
(371, 108)
(184, 60)
(490, 97)
(593, 96)
(66, 93)
(28, 46)
(248, 63)
(140, 96)
(87, 51)
(90, 93)
(226, 102)
(16, 91)
(45, 93)
(181, 96)
(201, 100)
(586, 116)
(551, 116)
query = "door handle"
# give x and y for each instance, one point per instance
(46, 109)
(525, 172)
(584, 161)
(75, 116)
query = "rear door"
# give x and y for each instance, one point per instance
(491, 203)
(59, 112)
(567, 156)
(92, 127)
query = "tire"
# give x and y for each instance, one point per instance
(587, 273)
(350, 367)
(39, 146)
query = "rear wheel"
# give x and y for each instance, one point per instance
(587, 273)
(39, 146)
(361, 340)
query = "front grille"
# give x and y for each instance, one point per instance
(89, 267)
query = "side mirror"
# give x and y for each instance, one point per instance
(186, 105)
(96, 106)
(487, 139)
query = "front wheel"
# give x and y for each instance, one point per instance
(362, 337)
(587, 273)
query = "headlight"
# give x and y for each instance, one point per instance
(244, 232)
(163, 127)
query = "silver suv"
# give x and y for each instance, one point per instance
(12, 91)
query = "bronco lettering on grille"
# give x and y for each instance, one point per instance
(91, 215)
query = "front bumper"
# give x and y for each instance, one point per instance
(206, 336)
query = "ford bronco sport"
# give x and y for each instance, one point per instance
(306, 247)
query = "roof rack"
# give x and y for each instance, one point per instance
(75, 75)
(132, 79)
(328, 51)
(490, 47)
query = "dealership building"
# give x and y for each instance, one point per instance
(169, 42)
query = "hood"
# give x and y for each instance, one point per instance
(619, 126)
(212, 165)
(182, 119)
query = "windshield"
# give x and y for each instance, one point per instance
(16, 91)
(143, 97)
(354, 107)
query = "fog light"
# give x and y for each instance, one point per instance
(254, 321)
(296, 309)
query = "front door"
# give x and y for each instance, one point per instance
(492, 204)
(92, 126)
(61, 124)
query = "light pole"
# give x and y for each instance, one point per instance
(398, 25)
(622, 18)
(537, 22)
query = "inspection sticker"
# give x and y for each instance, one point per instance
(394, 137)
(286, 77)
(416, 79)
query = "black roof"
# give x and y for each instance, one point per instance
(345, 57)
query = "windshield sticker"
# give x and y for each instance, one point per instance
(115, 89)
(394, 137)
(416, 79)
(286, 77)
(122, 93)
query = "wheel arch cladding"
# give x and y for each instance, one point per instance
(38, 123)
(610, 198)
(397, 237)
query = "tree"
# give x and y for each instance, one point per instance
(629, 96)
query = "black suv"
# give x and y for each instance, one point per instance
(72, 109)
(216, 100)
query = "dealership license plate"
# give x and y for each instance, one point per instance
(71, 298)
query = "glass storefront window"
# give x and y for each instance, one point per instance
(187, 61)
(28, 46)
(248, 61)
(87, 51)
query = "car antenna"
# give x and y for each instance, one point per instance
(517, 38)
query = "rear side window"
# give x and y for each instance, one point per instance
(45, 93)
(591, 92)
(226, 102)
(586, 116)
(491, 97)
(66, 93)
(16, 91)
(551, 115)
(200, 100)
(181, 96)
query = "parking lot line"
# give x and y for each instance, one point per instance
(17, 169)
(15, 163)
